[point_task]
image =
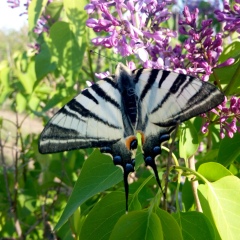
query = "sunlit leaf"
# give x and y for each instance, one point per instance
(223, 199)
(213, 171)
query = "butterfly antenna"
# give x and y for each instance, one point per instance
(92, 51)
(154, 168)
(129, 167)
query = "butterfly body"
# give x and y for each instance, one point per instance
(109, 114)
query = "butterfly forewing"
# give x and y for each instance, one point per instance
(174, 97)
(91, 119)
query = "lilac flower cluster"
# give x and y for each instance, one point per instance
(133, 28)
(231, 17)
(229, 117)
(203, 48)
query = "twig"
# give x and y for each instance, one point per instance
(194, 184)
(169, 163)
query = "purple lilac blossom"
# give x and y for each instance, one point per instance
(203, 46)
(132, 27)
(231, 17)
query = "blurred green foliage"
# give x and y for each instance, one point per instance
(80, 193)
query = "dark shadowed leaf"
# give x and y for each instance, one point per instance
(229, 150)
(98, 174)
(194, 225)
(137, 225)
(170, 227)
(102, 218)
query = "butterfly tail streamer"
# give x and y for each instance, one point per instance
(129, 167)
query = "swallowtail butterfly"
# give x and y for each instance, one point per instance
(108, 115)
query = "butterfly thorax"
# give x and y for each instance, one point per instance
(126, 86)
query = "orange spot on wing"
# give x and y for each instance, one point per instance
(129, 140)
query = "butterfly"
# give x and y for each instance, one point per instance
(109, 114)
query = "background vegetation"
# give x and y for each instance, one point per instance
(80, 193)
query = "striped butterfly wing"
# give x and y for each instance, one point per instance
(97, 117)
(166, 99)
(92, 119)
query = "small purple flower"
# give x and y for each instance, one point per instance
(102, 75)
(13, 3)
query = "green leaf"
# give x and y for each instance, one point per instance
(188, 142)
(44, 64)
(202, 194)
(5, 88)
(68, 51)
(138, 225)
(213, 171)
(34, 12)
(77, 18)
(230, 51)
(170, 227)
(27, 78)
(75, 221)
(21, 102)
(226, 74)
(98, 174)
(54, 10)
(102, 218)
(229, 150)
(223, 199)
(194, 225)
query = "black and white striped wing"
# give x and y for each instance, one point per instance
(91, 119)
(168, 98)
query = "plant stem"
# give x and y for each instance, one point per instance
(194, 184)
(169, 162)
